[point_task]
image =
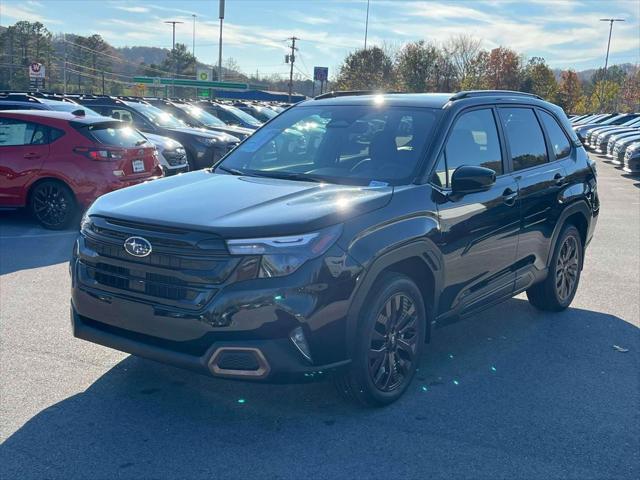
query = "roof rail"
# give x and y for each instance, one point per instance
(19, 97)
(349, 93)
(492, 93)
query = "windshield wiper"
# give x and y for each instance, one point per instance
(290, 176)
(232, 171)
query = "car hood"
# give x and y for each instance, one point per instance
(162, 142)
(204, 132)
(240, 206)
(239, 132)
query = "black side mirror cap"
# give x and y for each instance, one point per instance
(470, 179)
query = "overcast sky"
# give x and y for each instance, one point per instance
(568, 34)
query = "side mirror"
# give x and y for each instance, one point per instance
(470, 179)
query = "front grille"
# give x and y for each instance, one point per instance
(183, 270)
(174, 158)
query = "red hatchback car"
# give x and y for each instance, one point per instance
(58, 163)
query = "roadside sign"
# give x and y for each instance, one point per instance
(321, 74)
(204, 74)
(36, 70)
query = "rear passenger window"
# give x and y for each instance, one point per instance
(17, 132)
(557, 137)
(525, 137)
(472, 141)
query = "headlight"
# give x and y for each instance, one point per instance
(284, 255)
(85, 223)
(207, 140)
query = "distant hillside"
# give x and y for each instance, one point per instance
(146, 55)
(585, 75)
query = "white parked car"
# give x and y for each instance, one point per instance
(172, 155)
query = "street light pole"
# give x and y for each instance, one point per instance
(366, 27)
(221, 16)
(193, 46)
(173, 51)
(606, 60)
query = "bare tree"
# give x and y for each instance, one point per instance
(462, 51)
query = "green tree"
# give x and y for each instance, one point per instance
(366, 70)
(605, 96)
(476, 73)
(538, 78)
(23, 43)
(417, 67)
(180, 61)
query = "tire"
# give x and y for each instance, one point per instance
(386, 353)
(53, 205)
(556, 292)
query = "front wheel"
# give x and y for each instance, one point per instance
(556, 292)
(390, 340)
(53, 205)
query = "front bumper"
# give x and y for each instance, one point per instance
(135, 307)
(283, 363)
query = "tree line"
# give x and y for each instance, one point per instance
(461, 63)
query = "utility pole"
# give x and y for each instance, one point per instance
(292, 59)
(606, 61)
(221, 17)
(103, 82)
(193, 46)
(366, 26)
(173, 51)
(64, 68)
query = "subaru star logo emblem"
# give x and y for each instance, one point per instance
(137, 246)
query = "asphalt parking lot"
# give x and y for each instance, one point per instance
(513, 393)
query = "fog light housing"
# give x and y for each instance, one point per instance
(299, 340)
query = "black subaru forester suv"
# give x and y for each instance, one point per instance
(398, 213)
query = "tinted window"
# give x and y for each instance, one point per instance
(525, 137)
(17, 132)
(116, 135)
(473, 141)
(557, 137)
(342, 144)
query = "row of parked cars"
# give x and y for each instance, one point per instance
(46, 139)
(614, 135)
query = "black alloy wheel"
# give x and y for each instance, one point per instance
(53, 205)
(388, 342)
(393, 348)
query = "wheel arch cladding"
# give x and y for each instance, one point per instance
(576, 214)
(419, 261)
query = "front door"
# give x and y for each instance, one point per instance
(479, 231)
(23, 149)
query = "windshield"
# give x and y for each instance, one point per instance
(157, 116)
(354, 145)
(245, 117)
(72, 107)
(202, 116)
(263, 114)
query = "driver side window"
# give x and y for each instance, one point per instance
(473, 141)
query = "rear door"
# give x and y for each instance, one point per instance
(24, 146)
(479, 231)
(538, 152)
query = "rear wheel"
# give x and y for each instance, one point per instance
(390, 340)
(53, 205)
(556, 292)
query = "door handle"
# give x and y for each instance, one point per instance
(509, 197)
(559, 179)
(31, 155)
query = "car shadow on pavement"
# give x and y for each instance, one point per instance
(24, 244)
(511, 393)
